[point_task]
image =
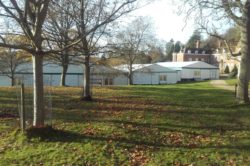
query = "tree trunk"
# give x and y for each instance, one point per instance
(242, 90)
(12, 77)
(86, 81)
(63, 75)
(12, 80)
(39, 114)
(130, 75)
(130, 79)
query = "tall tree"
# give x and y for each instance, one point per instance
(131, 42)
(232, 34)
(172, 47)
(210, 43)
(206, 12)
(60, 33)
(170, 50)
(178, 46)
(29, 15)
(156, 53)
(192, 41)
(92, 18)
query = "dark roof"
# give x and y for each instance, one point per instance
(200, 50)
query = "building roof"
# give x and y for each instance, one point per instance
(146, 68)
(101, 69)
(134, 67)
(198, 50)
(190, 64)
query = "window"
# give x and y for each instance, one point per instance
(108, 81)
(163, 78)
(197, 73)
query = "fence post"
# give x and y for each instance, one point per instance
(22, 113)
(235, 92)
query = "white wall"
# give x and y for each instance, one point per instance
(153, 78)
(74, 80)
(49, 80)
(214, 74)
(5, 81)
(121, 80)
(142, 78)
(118, 79)
(187, 74)
(205, 74)
(178, 76)
(172, 78)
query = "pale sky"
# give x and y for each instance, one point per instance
(166, 22)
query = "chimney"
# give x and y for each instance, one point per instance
(198, 44)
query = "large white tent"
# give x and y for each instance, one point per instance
(193, 70)
(101, 75)
(151, 74)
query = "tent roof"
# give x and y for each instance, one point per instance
(145, 68)
(190, 64)
(134, 67)
(104, 69)
(155, 68)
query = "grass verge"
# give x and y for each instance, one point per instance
(179, 124)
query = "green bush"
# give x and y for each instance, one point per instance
(226, 71)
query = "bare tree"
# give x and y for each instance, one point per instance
(60, 33)
(10, 61)
(207, 12)
(92, 18)
(131, 42)
(28, 17)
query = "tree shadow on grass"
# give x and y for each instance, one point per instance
(50, 134)
(204, 120)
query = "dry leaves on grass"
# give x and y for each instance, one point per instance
(174, 138)
(180, 139)
(90, 131)
(137, 156)
(231, 162)
(179, 164)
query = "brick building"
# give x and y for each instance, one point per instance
(194, 54)
(217, 57)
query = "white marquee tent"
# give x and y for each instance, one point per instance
(151, 74)
(193, 70)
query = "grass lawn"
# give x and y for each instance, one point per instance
(180, 125)
(231, 82)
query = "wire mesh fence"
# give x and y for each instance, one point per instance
(50, 81)
(8, 103)
(29, 99)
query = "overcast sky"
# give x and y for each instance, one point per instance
(167, 23)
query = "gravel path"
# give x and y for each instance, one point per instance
(222, 84)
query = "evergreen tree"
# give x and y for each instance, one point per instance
(226, 71)
(193, 39)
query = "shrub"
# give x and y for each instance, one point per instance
(226, 71)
